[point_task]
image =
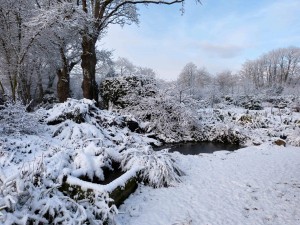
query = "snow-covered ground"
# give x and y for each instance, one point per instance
(254, 185)
(74, 143)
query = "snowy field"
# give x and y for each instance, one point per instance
(254, 185)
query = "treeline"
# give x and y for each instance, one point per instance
(271, 73)
(277, 67)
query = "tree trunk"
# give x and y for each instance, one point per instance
(63, 74)
(63, 84)
(2, 88)
(24, 89)
(88, 64)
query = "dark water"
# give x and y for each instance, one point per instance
(192, 148)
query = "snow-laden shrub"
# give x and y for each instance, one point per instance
(75, 110)
(249, 102)
(157, 168)
(90, 160)
(255, 127)
(274, 91)
(81, 119)
(15, 120)
(51, 206)
(46, 206)
(295, 141)
(82, 111)
(253, 121)
(223, 134)
(120, 92)
(252, 105)
(167, 118)
(70, 132)
(99, 208)
(89, 164)
(49, 99)
(27, 198)
(293, 136)
(162, 114)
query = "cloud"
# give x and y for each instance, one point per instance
(223, 51)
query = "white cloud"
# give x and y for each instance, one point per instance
(223, 51)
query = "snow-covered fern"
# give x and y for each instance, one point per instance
(157, 168)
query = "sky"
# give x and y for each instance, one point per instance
(217, 34)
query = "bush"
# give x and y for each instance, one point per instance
(157, 168)
(160, 114)
(15, 120)
(121, 92)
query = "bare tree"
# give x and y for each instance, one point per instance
(105, 66)
(278, 67)
(34, 42)
(60, 38)
(203, 78)
(226, 81)
(193, 80)
(17, 46)
(187, 77)
(145, 71)
(124, 67)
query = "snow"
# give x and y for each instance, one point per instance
(75, 142)
(254, 185)
(119, 182)
(248, 127)
(157, 168)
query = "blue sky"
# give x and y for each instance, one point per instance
(217, 35)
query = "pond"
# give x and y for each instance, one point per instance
(195, 148)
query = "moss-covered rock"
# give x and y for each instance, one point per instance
(119, 194)
(280, 142)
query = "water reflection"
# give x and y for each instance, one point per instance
(192, 148)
